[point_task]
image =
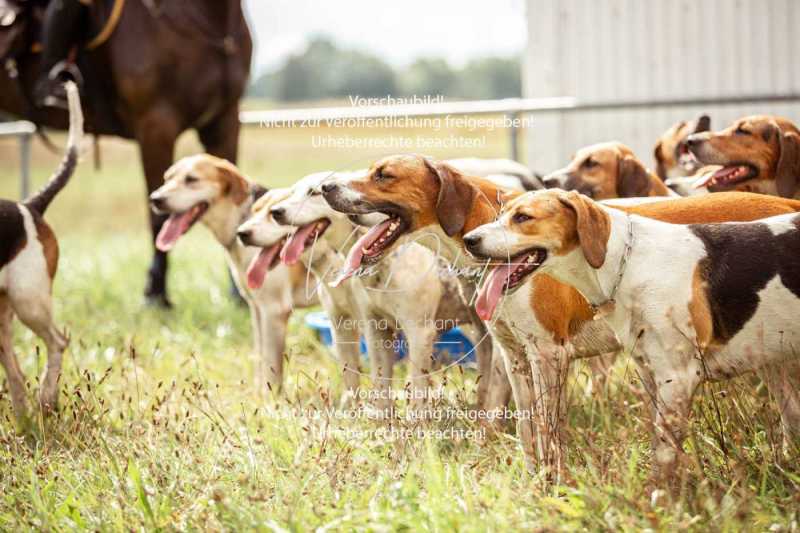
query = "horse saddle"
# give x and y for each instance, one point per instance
(16, 18)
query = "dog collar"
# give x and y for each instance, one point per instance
(607, 307)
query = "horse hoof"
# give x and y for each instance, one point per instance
(157, 300)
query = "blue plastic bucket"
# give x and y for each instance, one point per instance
(452, 345)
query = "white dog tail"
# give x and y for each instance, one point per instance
(39, 201)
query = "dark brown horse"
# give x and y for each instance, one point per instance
(169, 66)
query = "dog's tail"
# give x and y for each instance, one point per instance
(39, 201)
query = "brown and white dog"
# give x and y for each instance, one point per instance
(672, 155)
(211, 190)
(722, 301)
(28, 264)
(607, 170)
(407, 292)
(543, 324)
(759, 153)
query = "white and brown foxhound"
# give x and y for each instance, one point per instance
(28, 264)
(212, 190)
(692, 303)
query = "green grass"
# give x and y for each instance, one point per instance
(162, 426)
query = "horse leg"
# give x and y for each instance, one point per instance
(221, 138)
(156, 132)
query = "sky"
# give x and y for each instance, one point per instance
(398, 31)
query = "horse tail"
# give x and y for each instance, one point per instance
(39, 201)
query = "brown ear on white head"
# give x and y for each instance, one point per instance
(787, 173)
(661, 170)
(593, 227)
(236, 186)
(632, 178)
(455, 197)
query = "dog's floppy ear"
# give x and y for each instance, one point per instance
(787, 173)
(703, 124)
(632, 178)
(661, 169)
(234, 184)
(593, 227)
(455, 197)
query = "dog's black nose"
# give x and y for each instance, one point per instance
(157, 202)
(472, 241)
(692, 141)
(329, 187)
(244, 235)
(551, 183)
(279, 214)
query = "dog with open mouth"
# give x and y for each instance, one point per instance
(406, 291)
(206, 189)
(411, 197)
(673, 158)
(543, 323)
(759, 153)
(704, 304)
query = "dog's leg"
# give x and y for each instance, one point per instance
(420, 359)
(550, 365)
(783, 382)
(36, 313)
(273, 320)
(381, 353)
(499, 391)
(599, 368)
(674, 390)
(346, 344)
(518, 370)
(16, 380)
(258, 342)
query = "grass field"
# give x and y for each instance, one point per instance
(162, 427)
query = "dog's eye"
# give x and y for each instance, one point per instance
(741, 131)
(191, 179)
(519, 218)
(313, 192)
(589, 163)
(381, 176)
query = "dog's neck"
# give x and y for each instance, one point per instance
(225, 216)
(325, 258)
(601, 287)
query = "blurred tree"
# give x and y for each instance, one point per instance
(490, 77)
(325, 71)
(431, 76)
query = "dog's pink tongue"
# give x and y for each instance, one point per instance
(492, 290)
(356, 254)
(259, 266)
(295, 246)
(173, 228)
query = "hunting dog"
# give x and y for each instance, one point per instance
(543, 323)
(759, 153)
(671, 152)
(212, 190)
(707, 313)
(28, 264)
(607, 170)
(408, 292)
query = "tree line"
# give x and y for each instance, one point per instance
(325, 71)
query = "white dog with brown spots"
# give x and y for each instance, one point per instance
(692, 303)
(28, 264)
(211, 190)
(406, 292)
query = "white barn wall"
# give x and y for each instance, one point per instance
(617, 50)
